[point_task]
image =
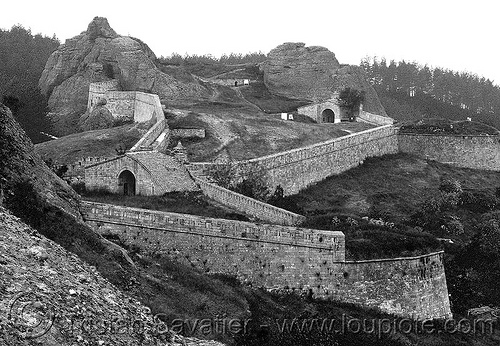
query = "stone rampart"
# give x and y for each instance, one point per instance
(147, 107)
(121, 104)
(297, 169)
(280, 257)
(98, 90)
(417, 285)
(478, 152)
(150, 137)
(188, 133)
(249, 206)
(375, 119)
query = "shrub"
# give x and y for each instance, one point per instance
(223, 174)
(478, 201)
(450, 185)
(254, 186)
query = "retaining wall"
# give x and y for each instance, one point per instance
(297, 169)
(375, 119)
(249, 206)
(479, 152)
(188, 133)
(150, 137)
(417, 285)
(280, 257)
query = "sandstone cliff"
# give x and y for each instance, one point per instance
(296, 71)
(100, 54)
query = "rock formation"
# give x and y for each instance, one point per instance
(100, 54)
(296, 71)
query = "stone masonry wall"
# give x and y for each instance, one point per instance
(105, 175)
(147, 107)
(297, 169)
(121, 104)
(98, 90)
(188, 133)
(150, 137)
(375, 119)
(479, 152)
(417, 285)
(280, 257)
(249, 206)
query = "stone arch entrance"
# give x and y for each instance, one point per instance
(328, 116)
(126, 183)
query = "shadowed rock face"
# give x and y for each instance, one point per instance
(296, 71)
(100, 54)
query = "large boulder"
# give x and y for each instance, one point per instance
(100, 54)
(296, 71)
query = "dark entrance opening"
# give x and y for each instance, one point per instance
(126, 183)
(328, 116)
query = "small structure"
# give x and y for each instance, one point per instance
(284, 116)
(324, 112)
(180, 153)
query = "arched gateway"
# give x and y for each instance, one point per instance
(126, 183)
(328, 116)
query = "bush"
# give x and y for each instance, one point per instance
(254, 186)
(450, 185)
(223, 175)
(478, 201)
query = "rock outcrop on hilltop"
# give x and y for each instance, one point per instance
(296, 71)
(100, 54)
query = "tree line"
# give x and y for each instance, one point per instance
(412, 83)
(227, 59)
(22, 60)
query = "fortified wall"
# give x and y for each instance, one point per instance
(297, 169)
(478, 152)
(124, 105)
(279, 257)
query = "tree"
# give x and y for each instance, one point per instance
(350, 100)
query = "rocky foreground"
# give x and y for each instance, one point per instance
(48, 296)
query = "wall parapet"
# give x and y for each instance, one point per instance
(291, 258)
(249, 206)
(150, 137)
(219, 228)
(469, 151)
(374, 118)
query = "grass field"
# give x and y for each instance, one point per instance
(97, 143)
(391, 187)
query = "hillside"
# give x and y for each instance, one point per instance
(401, 205)
(35, 194)
(242, 132)
(96, 143)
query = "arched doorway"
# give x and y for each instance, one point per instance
(328, 116)
(126, 183)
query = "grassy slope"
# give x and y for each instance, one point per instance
(248, 133)
(94, 143)
(391, 186)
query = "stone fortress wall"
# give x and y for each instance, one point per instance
(249, 206)
(125, 105)
(478, 152)
(284, 258)
(299, 168)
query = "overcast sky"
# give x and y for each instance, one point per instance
(459, 35)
